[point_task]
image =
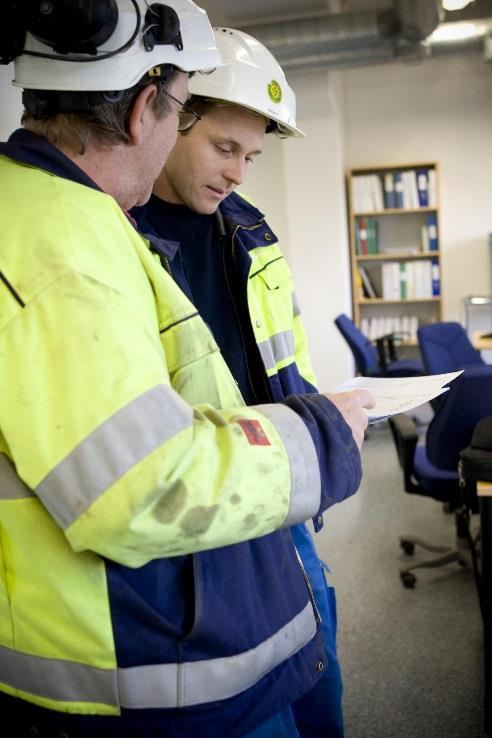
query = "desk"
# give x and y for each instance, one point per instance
(481, 344)
(478, 313)
(484, 492)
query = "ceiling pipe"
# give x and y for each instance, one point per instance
(338, 41)
(416, 18)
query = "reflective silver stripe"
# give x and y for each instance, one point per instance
(277, 347)
(295, 305)
(111, 450)
(56, 679)
(11, 486)
(198, 682)
(304, 465)
(160, 685)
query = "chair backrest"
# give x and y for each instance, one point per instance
(365, 354)
(468, 400)
(445, 347)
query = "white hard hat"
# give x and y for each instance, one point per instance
(249, 76)
(86, 72)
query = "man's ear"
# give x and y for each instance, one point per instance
(141, 108)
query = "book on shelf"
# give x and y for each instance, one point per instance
(422, 279)
(359, 290)
(422, 188)
(405, 326)
(359, 194)
(398, 189)
(372, 236)
(377, 192)
(435, 278)
(408, 326)
(391, 280)
(361, 246)
(432, 232)
(366, 236)
(410, 192)
(403, 280)
(367, 284)
(389, 191)
(367, 193)
(432, 188)
(409, 280)
(407, 189)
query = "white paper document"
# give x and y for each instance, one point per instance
(400, 394)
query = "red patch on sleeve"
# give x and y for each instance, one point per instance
(254, 432)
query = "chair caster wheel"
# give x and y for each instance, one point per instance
(408, 547)
(408, 579)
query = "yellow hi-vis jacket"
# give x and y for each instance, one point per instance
(101, 458)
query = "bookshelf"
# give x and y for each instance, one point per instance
(395, 253)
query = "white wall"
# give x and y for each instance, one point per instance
(10, 102)
(265, 185)
(441, 111)
(316, 213)
(310, 174)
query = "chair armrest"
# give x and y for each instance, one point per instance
(390, 340)
(405, 437)
(386, 347)
(381, 349)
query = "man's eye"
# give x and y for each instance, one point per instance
(223, 150)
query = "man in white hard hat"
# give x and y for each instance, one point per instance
(230, 266)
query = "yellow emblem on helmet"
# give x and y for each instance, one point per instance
(274, 91)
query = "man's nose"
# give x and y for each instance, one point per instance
(235, 170)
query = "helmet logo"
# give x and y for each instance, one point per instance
(274, 91)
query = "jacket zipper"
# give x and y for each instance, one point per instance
(309, 586)
(166, 264)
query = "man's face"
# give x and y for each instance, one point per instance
(160, 137)
(210, 161)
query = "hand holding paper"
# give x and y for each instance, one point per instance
(399, 394)
(354, 406)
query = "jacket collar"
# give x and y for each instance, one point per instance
(29, 148)
(239, 211)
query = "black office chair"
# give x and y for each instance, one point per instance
(378, 360)
(431, 469)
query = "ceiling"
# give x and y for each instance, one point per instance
(234, 14)
(320, 34)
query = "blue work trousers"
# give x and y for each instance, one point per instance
(318, 714)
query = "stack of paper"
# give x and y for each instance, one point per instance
(398, 395)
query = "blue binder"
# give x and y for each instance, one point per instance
(432, 232)
(389, 191)
(398, 190)
(436, 278)
(423, 187)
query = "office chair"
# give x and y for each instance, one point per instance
(445, 347)
(431, 469)
(379, 360)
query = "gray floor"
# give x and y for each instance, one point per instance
(411, 659)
